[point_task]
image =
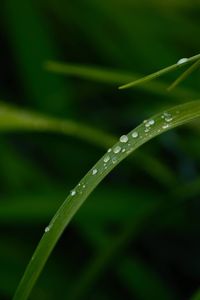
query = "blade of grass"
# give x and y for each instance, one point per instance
(160, 123)
(15, 119)
(33, 43)
(109, 76)
(184, 75)
(159, 73)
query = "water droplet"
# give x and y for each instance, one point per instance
(182, 61)
(135, 134)
(94, 171)
(106, 158)
(167, 117)
(117, 149)
(114, 160)
(123, 139)
(47, 229)
(83, 186)
(73, 193)
(149, 123)
(165, 126)
(147, 130)
(109, 150)
(123, 150)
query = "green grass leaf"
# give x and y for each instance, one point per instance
(180, 63)
(154, 126)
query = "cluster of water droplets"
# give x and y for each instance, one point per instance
(125, 145)
(167, 118)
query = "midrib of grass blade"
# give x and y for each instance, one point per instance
(162, 122)
(115, 77)
(184, 75)
(160, 72)
(15, 119)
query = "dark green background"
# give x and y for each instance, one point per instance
(137, 237)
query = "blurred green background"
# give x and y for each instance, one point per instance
(137, 237)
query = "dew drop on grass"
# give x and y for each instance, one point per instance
(182, 61)
(73, 193)
(94, 172)
(117, 149)
(47, 229)
(149, 123)
(106, 158)
(114, 160)
(123, 150)
(165, 126)
(167, 116)
(135, 134)
(123, 139)
(109, 150)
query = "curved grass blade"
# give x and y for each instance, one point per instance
(184, 75)
(15, 119)
(109, 76)
(159, 73)
(160, 123)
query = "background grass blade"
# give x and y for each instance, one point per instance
(114, 77)
(160, 72)
(184, 75)
(128, 143)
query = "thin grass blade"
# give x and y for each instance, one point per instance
(184, 75)
(159, 73)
